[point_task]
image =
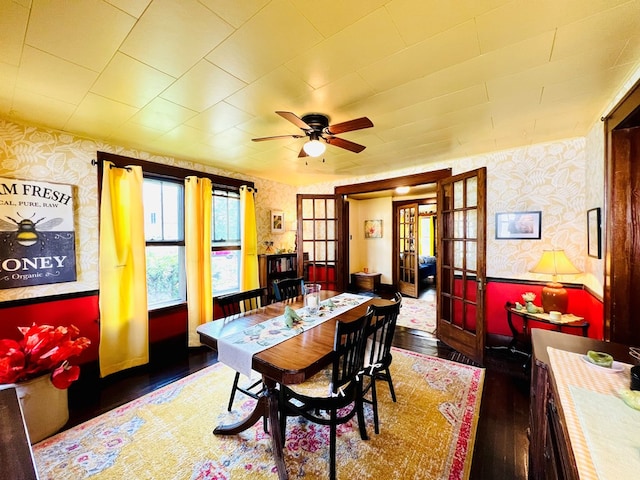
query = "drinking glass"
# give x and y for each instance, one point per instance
(312, 297)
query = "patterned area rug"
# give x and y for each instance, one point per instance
(428, 434)
(419, 314)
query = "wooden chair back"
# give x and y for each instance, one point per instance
(348, 345)
(235, 304)
(288, 288)
(380, 333)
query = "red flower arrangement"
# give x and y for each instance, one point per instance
(42, 349)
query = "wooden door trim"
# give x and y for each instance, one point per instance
(625, 114)
(388, 183)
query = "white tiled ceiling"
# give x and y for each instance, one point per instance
(199, 79)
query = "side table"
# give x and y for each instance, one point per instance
(366, 282)
(567, 321)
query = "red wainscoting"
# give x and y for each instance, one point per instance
(79, 311)
(581, 303)
(83, 312)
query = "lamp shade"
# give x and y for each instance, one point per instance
(555, 262)
(554, 295)
(314, 148)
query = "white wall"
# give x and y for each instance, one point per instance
(373, 253)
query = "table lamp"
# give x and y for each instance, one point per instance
(554, 295)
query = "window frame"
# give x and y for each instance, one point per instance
(161, 171)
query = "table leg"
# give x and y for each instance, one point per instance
(276, 434)
(267, 407)
(261, 410)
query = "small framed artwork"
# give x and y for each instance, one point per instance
(277, 221)
(594, 233)
(373, 229)
(518, 225)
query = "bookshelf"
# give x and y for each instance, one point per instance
(275, 267)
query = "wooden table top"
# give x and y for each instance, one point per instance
(296, 359)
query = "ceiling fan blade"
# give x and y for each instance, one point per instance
(356, 124)
(346, 144)
(296, 120)
(302, 153)
(262, 139)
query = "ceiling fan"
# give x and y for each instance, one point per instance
(316, 127)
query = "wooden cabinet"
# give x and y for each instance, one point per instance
(550, 452)
(366, 282)
(276, 267)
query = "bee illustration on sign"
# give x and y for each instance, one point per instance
(27, 234)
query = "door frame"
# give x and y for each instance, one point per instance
(374, 186)
(618, 301)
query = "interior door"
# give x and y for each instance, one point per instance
(461, 263)
(623, 283)
(406, 263)
(321, 249)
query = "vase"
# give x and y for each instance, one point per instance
(45, 407)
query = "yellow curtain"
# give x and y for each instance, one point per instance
(124, 317)
(432, 230)
(249, 278)
(197, 236)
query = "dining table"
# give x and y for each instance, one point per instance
(290, 362)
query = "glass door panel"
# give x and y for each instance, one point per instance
(462, 244)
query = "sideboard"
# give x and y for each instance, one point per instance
(550, 452)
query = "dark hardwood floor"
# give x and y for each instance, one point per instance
(501, 446)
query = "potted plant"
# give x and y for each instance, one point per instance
(38, 365)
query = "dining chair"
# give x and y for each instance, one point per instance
(379, 337)
(233, 305)
(336, 390)
(288, 288)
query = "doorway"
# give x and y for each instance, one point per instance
(414, 243)
(381, 186)
(622, 209)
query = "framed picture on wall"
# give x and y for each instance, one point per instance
(594, 235)
(277, 221)
(518, 225)
(373, 229)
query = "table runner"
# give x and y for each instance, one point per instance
(602, 428)
(564, 318)
(237, 350)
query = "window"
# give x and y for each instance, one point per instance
(164, 236)
(163, 191)
(225, 242)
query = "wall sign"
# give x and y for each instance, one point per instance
(37, 236)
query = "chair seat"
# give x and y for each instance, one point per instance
(318, 386)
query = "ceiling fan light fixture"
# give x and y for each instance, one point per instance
(314, 148)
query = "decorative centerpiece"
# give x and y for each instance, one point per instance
(291, 318)
(529, 306)
(39, 367)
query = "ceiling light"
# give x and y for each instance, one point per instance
(314, 148)
(402, 190)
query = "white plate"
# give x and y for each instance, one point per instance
(615, 367)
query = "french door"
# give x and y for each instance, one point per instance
(461, 249)
(406, 235)
(320, 244)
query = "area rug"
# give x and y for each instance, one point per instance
(418, 314)
(167, 434)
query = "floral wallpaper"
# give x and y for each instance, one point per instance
(28, 152)
(548, 177)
